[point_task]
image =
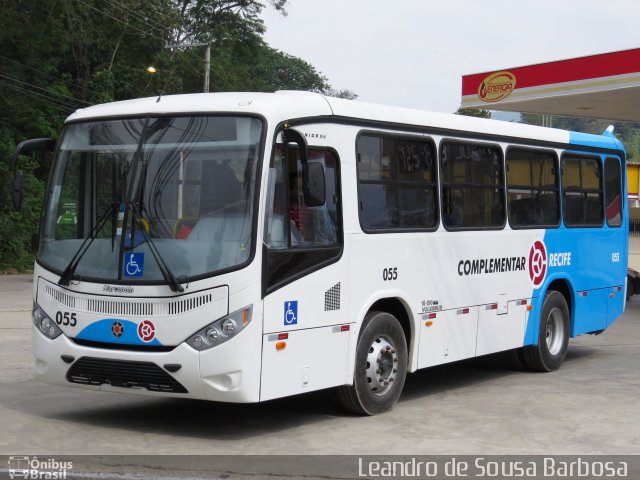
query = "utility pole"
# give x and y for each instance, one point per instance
(207, 60)
(207, 67)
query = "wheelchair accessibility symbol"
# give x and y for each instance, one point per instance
(291, 312)
(134, 264)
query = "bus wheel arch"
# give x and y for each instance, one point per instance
(398, 309)
(563, 286)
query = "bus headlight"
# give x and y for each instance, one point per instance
(43, 323)
(221, 330)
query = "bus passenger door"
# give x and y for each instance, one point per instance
(306, 335)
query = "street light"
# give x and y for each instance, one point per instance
(151, 71)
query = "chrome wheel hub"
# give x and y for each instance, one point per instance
(555, 331)
(382, 365)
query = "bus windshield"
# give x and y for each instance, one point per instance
(132, 197)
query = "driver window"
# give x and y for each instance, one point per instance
(294, 224)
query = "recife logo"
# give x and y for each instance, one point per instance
(146, 331)
(537, 263)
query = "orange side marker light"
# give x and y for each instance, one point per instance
(281, 346)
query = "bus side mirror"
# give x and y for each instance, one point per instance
(28, 146)
(313, 184)
(16, 191)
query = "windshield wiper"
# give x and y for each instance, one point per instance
(68, 272)
(136, 205)
(168, 275)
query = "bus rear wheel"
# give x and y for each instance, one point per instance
(553, 335)
(380, 367)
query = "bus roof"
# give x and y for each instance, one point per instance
(290, 105)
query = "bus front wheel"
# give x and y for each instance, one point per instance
(553, 335)
(380, 366)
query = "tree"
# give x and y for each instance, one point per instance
(473, 112)
(346, 94)
(61, 55)
(198, 20)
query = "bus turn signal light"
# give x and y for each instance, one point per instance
(281, 346)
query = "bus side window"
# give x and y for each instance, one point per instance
(397, 184)
(472, 185)
(532, 188)
(613, 191)
(582, 191)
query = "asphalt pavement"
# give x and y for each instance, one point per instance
(589, 406)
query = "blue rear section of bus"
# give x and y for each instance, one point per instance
(588, 263)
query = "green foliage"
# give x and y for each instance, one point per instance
(632, 144)
(61, 55)
(474, 112)
(346, 94)
(18, 230)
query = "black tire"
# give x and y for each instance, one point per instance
(369, 395)
(513, 359)
(553, 335)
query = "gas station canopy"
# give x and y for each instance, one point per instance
(603, 86)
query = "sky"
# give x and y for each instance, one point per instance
(413, 53)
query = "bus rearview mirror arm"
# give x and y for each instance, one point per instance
(313, 181)
(28, 146)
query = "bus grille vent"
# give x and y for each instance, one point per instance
(123, 373)
(61, 296)
(180, 306)
(131, 307)
(332, 298)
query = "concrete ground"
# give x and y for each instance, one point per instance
(589, 406)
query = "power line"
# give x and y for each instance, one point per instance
(73, 99)
(39, 96)
(53, 77)
(120, 21)
(133, 27)
(138, 16)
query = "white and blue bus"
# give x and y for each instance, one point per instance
(240, 247)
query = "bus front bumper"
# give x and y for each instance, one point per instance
(183, 372)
